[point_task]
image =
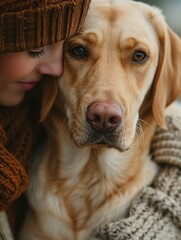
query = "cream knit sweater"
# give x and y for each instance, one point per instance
(155, 214)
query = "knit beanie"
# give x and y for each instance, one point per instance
(29, 24)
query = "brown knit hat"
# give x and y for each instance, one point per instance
(29, 24)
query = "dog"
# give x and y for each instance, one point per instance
(121, 71)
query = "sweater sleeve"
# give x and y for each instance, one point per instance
(13, 177)
(155, 213)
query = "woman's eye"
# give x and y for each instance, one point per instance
(139, 57)
(36, 54)
(78, 51)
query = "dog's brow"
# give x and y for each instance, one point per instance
(132, 43)
(92, 38)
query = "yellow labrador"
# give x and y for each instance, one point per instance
(121, 71)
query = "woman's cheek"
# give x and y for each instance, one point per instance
(16, 68)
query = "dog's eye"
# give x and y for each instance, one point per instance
(139, 57)
(79, 51)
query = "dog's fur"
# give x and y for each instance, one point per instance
(121, 71)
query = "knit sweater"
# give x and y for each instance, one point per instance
(155, 213)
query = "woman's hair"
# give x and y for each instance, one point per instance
(29, 24)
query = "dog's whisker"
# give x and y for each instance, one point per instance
(96, 151)
(139, 134)
(148, 124)
(65, 120)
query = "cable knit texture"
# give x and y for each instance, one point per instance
(155, 214)
(15, 145)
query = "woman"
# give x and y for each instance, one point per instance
(31, 35)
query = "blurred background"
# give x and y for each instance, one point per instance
(172, 11)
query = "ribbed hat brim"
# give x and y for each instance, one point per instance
(29, 29)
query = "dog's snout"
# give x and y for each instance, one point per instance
(104, 116)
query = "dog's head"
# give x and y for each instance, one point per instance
(123, 51)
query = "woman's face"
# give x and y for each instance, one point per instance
(21, 71)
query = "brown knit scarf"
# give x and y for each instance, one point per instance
(17, 132)
(16, 137)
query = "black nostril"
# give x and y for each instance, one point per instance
(114, 120)
(96, 119)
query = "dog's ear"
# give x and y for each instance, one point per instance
(49, 90)
(167, 82)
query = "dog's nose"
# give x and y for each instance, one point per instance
(104, 115)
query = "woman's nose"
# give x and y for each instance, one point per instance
(53, 65)
(54, 69)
